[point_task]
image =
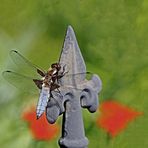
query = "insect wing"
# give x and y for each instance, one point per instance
(42, 102)
(25, 65)
(22, 82)
(77, 76)
(65, 81)
(87, 75)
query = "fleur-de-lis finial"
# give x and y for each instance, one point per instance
(70, 102)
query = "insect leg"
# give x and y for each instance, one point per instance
(55, 87)
(63, 72)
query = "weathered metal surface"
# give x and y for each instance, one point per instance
(76, 92)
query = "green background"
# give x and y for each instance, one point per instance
(113, 38)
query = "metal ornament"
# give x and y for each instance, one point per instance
(75, 92)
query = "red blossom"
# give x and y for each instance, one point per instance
(40, 129)
(115, 117)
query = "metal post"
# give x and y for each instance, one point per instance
(70, 102)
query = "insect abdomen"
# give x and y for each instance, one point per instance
(42, 102)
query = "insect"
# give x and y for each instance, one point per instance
(47, 85)
(46, 81)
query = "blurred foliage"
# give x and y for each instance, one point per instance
(112, 36)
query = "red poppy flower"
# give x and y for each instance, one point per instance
(115, 117)
(40, 129)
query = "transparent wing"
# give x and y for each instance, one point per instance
(25, 65)
(25, 83)
(66, 79)
(66, 85)
(65, 70)
(87, 75)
